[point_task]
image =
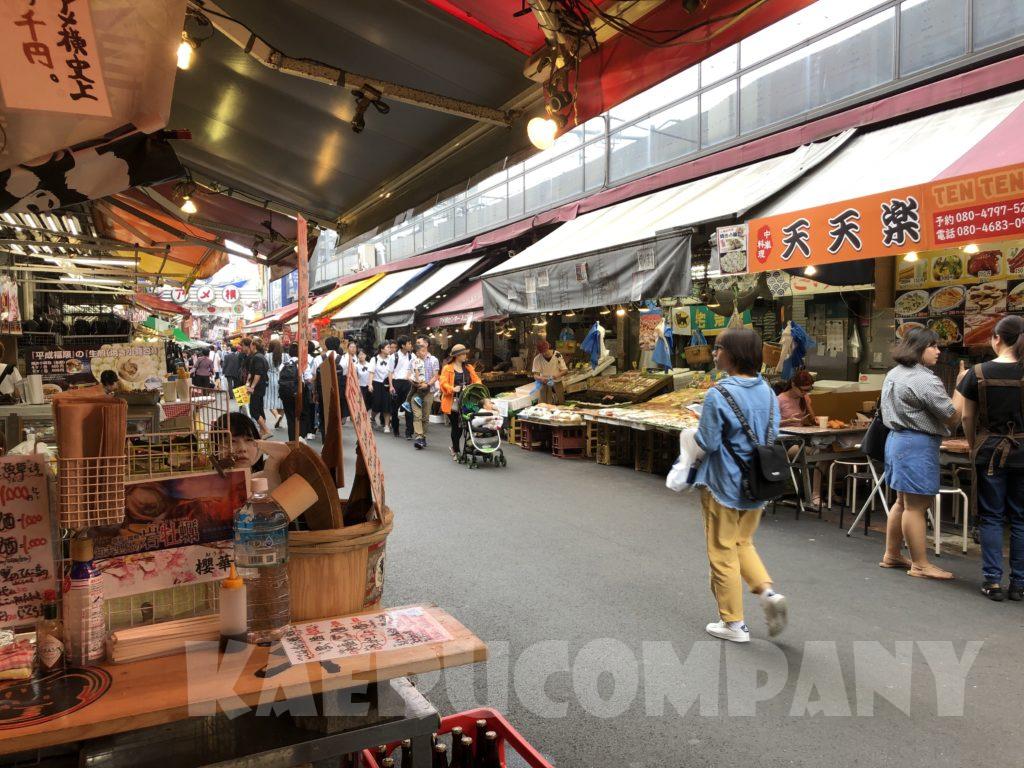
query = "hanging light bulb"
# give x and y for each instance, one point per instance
(620, 311)
(188, 205)
(468, 326)
(911, 256)
(186, 51)
(541, 132)
(810, 270)
(570, 313)
(605, 311)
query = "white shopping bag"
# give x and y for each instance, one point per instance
(680, 476)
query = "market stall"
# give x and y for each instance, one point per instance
(144, 588)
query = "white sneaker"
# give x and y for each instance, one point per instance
(776, 613)
(722, 630)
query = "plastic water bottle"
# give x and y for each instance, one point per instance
(261, 558)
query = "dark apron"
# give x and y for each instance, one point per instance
(1008, 441)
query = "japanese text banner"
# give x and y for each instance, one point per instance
(964, 209)
(49, 58)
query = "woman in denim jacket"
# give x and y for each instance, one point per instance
(730, 520)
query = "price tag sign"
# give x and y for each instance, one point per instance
(241, 395)
(26, 540)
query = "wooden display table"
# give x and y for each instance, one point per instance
(204, 683)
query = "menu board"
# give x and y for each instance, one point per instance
(962, 315)
(952, 266)
(358, 635)
(26, 539)
(138, 366)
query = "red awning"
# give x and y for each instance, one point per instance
(156, 304)
(464, 306)
(625, 64)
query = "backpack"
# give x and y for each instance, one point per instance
(766, 476)
(288, 381)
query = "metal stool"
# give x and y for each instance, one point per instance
(851, 496)
(855, 465)
(936, 515)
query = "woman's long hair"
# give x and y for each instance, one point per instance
(275, 352)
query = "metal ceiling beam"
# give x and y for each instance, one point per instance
(529, 99)
(260, 50)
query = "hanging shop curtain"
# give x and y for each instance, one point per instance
(645, 269)
(636, 235)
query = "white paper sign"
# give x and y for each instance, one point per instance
(359, 635)
(543, 279)
(26, 540)
(50, 58)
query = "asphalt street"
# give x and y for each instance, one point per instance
(590, 583)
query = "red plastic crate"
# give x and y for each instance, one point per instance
(508, 737)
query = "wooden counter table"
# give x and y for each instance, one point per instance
(203, 683)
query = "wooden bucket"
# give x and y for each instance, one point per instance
(697, 354)
(338, 571)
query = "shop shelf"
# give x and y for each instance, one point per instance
(508, 738)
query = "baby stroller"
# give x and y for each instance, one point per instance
(480, 442)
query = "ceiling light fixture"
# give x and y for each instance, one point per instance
(810, 270)
(542, 131)
(972, 248)
(911, 256)
(186, 51)
(365, 97)
(605, 311)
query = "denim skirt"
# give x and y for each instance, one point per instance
(912, 462)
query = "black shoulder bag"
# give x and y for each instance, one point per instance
(873, 444)
(767, 476)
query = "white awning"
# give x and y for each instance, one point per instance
(721, 196)
(378, 294)
(903, 155)
(435, 283)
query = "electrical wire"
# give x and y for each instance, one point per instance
(646, 35)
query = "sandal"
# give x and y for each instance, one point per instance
(993, 591)
(929, 572)
(890, 562)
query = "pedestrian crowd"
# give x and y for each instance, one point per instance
(742, 466)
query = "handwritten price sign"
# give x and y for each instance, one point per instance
(26, 540)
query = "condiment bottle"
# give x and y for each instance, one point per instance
(233, 619)
(50, 652)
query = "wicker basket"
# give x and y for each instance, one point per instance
(697, 354)
(771, 353)
(336, 572)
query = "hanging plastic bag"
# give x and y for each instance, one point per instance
(684, 470)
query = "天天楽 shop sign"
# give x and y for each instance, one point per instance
(939, 214)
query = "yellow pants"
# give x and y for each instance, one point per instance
(731, 553)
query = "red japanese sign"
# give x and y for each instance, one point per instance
(965, 209)
(49, 57)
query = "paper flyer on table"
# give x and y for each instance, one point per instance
(357, 635)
